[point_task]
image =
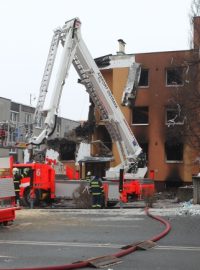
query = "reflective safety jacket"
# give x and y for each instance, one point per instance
(16, 180)
(96, 187)
(88, 178)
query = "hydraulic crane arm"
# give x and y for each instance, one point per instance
(69, 48)
(75, 52)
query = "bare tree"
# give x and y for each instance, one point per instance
(184, 125)
(194, 12)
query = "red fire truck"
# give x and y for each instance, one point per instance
(7, 192)
(38, 185)
(43, 185)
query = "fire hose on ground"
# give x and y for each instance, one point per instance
(112, 258)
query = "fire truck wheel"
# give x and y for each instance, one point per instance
(103, 202)
(27, 197)
(5, 223)
(112, 203)
(23, 202)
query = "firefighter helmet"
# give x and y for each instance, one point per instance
(26, 170)
(15, 170)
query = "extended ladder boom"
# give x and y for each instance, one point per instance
(46, 76)
(104, 101)
(76, 52)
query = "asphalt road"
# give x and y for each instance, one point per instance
(51, 237)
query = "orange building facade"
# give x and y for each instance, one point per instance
(152, 114)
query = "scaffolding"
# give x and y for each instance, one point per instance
(14, 134)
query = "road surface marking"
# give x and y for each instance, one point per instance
(4, 256)
(97, 245)
(66, 244)
(178, 248)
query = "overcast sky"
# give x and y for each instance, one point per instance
(26, 28)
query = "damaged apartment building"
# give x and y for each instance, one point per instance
(158, 116)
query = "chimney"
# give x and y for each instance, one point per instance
(121, 47)
(196, 32)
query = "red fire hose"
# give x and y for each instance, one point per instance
(121, 253)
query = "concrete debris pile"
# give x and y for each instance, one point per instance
(188, 208)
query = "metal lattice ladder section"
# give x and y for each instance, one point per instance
(85, 79)
(47, 75)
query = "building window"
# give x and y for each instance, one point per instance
(67, 128)
(13, 134)
(27, 118)
(144, 147)
(174, 76)
(14, 117)
(58, 129)
(174, 151)
(144, 78)
(140, 116)
(173, 117)
(40, 123)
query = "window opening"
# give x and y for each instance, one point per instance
(140, 115)
(144, 78)
(173, 116)
(174, 76)
(173, 151)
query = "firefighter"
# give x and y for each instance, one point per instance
(97, 191)
(16, 179)
(26, 173)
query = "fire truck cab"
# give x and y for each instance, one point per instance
(37, 184)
